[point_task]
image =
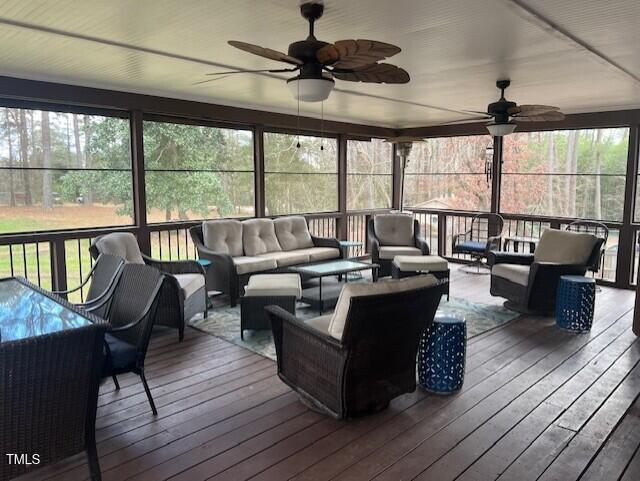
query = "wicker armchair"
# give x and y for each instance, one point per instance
(529, 281)
(103, 276)
(133, 308)
(599, 230)
(183, 293)
(374, 358)
(390, 235)
(48, 397)
(484, 236)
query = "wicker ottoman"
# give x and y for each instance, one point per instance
(441, 355)
(267, 290)
(406, 266)
(575, 301)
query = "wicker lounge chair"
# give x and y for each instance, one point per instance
(354, 362)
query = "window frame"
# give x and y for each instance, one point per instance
(200, 122)
(301, 133)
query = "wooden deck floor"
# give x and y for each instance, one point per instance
(537, 403)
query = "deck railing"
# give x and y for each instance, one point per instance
(443, 225)
(57, 260)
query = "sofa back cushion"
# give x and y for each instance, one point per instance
(565, 247)
(358, 289)
(223, 236)
(394, 229)
(293, 233)
(120, 244)
(259, 237)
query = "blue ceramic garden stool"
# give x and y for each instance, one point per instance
(575, 301)
(441, 355)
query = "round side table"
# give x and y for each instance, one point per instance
(441, 355)
(575, 300)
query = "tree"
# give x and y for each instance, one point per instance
(12, 192)
(24, 156)
(47, 197)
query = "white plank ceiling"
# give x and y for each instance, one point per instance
(581, 55)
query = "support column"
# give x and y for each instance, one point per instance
(496, 176)
(139, 186)
(397, 178)
(258, 166)
(341, 227)
(626, 241)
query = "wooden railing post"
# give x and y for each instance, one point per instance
(442, 235)
(58, 265)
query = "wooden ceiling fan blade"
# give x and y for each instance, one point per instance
(529, 110)
(374, 73)
(208, 80)
(277, 70)
(355, 53)
(552, 116)
(265, 52)
(471, 120)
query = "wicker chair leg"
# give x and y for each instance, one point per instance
(94, 464)
(115, 381)
(146, 389)
(181, 332)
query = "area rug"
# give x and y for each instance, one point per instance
(224, 322)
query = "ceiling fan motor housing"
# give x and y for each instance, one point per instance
(499, 110)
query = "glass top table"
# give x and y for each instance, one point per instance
(27, 311)
(333, 268)
(325, 269)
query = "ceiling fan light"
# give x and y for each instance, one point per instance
(501, 129)
(310, 89)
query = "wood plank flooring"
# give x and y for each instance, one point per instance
(537, 403)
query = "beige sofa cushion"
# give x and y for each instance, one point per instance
(320, 323)
(320, 253)
(512, 272)
(246, 264)
(259, 237)
(284, 259)
(121, 244)
(394, 229)
(274, 285)
(390, 252)
(189, 283)
(349, 291)
(564, 247)
(292, 232)
(223, 236)
(421, 263)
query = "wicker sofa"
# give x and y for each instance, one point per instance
(355, 361)
(529, 281)
(238, 249)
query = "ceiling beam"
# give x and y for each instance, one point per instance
(186, 58)
(526, 12)
(16, 89)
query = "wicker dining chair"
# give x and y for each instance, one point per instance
(483, 236)
(49, 396)
(102, 279)
(131, 316)
(183, 293)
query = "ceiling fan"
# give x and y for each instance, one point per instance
(504, 115)
(318, 62)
